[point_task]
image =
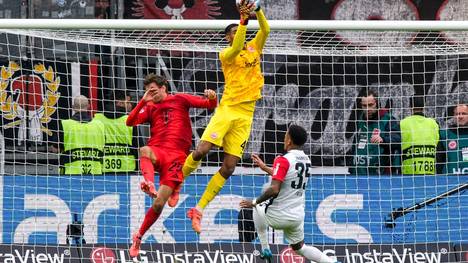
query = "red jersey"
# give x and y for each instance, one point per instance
(169, 119)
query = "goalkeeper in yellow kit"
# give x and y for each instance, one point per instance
(230, 125)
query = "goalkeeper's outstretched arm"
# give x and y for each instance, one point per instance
(237, 43)
(262, 34)
(239, 38)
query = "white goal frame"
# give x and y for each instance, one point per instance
(188, 24)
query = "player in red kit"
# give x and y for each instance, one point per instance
(168, 146)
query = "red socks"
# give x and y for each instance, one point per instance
(149, 220)
(147, 169)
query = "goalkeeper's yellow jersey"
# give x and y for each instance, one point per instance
(242, 72)
(243, 77)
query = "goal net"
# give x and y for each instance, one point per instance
(315, 75)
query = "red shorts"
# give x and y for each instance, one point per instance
(169, 165)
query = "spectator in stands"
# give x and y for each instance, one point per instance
(81, 141)
(119, 155)
(454, 142)
(376, 140)
(419, 139)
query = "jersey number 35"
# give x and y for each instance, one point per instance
(302, 170)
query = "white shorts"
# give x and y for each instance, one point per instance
(293, 229)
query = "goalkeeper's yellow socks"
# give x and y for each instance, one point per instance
(212, 189)
(190, 165)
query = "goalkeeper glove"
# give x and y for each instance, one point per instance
(245, 8)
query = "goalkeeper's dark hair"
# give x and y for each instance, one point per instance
(229, 27)
(297, 134)
(159, 80)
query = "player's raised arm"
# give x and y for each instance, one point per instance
(279, 172)
(210, 101)
(262, 34)
(138, 115)
(259, 162)
(238, 42)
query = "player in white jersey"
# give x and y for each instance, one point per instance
(282, 204)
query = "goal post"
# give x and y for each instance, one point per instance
(201, 24)
(315, 72)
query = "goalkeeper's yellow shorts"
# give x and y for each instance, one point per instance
(229, 128)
